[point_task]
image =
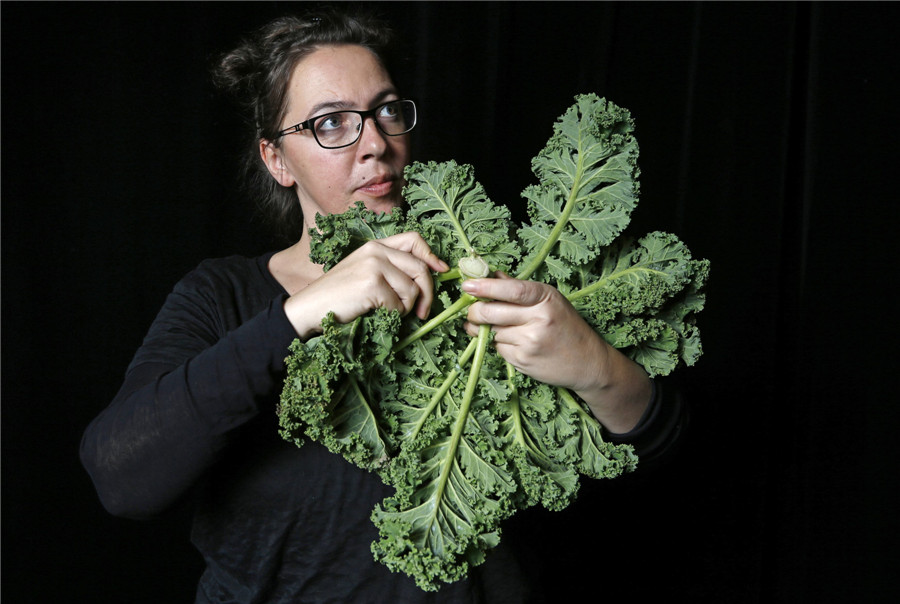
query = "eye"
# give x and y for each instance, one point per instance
(330, 123)
(389, 111)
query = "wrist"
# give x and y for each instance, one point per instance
(300, 318)
(620, 393)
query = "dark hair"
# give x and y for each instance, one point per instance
(257, 74)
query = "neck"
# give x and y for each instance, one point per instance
(292, 267)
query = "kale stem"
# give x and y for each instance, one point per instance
(604, 281)
(445, 386)
(453, 273)
(521, 436)
(354, 326)
(573, 404)
(464, 301)
(515, 406)
(560, 225)
(448, 209)
(484, 333)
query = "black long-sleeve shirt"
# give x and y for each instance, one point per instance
(196, 418)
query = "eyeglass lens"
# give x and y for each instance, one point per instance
(344, 127)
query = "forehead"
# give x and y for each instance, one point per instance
(336, 77)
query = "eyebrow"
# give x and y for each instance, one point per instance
(341, 105)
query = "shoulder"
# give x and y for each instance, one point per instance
(217, 296)
(231, 274)
(233, 268)
(225, 291)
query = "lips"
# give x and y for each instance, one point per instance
(378, 186)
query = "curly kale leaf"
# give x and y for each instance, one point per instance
(333, 386)
(587, 189)
(465, 439)
(452, 212)
(642, 297)
(337, 235)
(545, 478)
(453, 490)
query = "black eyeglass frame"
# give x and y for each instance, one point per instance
(373, 112)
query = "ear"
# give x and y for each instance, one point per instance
(271, 156)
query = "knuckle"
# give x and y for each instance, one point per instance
(371, 268)
(367, 252)
(421, 268)
(519, 289)
(532, 343)
(544, 318)
(483, 312)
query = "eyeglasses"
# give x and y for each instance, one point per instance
(343, 128)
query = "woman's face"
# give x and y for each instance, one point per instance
(329, 181)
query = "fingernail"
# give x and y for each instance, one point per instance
(469, 286)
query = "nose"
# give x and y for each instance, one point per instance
(372, 141)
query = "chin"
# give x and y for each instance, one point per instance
(380, 206)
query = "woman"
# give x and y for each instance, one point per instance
(195, 416)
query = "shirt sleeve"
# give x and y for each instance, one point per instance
(660, 428)
(189, 387)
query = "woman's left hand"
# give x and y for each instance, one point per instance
(539, 332)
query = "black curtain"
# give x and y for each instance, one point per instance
(768, 137)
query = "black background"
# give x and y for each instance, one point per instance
(768, 137)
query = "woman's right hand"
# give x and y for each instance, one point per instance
(394, 272)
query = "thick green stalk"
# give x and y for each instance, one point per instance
(464, 301)
(604, 281)
(450, 275)
(571, 403)
(560, 225)
(442, 391)
(462, 417)
(448, 209)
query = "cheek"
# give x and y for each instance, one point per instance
(333, 177)
(320, 175)
(329, 185)
(402, 150)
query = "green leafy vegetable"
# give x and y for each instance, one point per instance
(464, 438)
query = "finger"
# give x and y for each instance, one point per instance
(413, 243)
(408, 275)
(502, 338)
(412, 293)
(418, 275)
(507, 346)
(506, 289)
(470, 328)
(509, 352)
(385, 277)
(498, 314)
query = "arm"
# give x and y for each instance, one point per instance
(186, 391)
(195, 380)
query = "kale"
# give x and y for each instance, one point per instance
(464, 438)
